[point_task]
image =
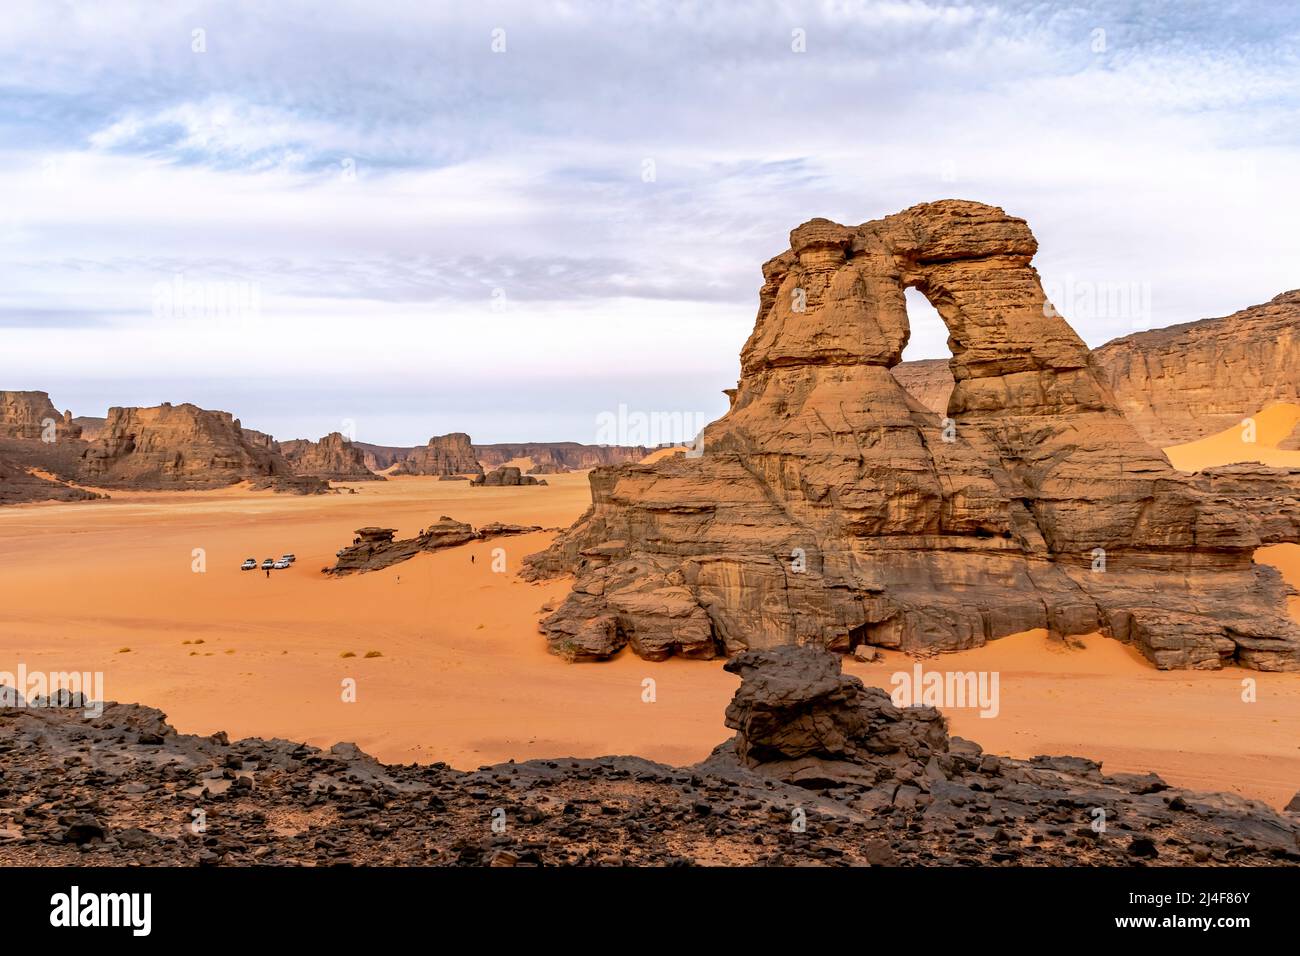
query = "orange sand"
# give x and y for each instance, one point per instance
(1231, 446)
(464, 675)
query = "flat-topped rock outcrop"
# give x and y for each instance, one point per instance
(32, 416)
(553, 458)
(450, 454)
(333, 458)
(183, 446)
(831, 507)
(506, 476)
(1184, 382)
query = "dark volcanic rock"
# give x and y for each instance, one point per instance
(873, 785)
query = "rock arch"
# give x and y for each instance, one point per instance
(830, 506)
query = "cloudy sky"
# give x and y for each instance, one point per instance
(510, 218)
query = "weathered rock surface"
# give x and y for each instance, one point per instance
(333, 458)
(1188, 381)
(376, 548)
(873, 785)
(553, 458)
(831, 507)
(506, 475)
(928, 381)
(32, 416)
(1184, 382)
(183, 446)
(90, 426)
(444, 455)
(18, 485)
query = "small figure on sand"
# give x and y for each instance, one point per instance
(471, 559)
(268, 572)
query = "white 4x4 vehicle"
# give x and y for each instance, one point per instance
(280, 565)
(250, 564)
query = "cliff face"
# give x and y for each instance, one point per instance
(178, 446)
(1184, 382)
(557, 457)
(831, 507)
(444, 455)
(32, 416)
(928, 381)
(333, 457)
(1188, 381)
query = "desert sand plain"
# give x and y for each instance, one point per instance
(462, 674)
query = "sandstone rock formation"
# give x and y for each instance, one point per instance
(333, 458)
(32, 416)
(376, 548)
(1184, 382)
(553, 458)
(508, 475)
(182, 446)
(380, 457)
(90, 426)
(1188, 381)
(928, 381)
(19, 484)
(444, 455)
(871, 783)
(831, 507)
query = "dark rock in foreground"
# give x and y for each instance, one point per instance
(872, 785)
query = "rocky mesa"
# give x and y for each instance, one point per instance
(450, 454)
(333, 458)
(183, 446)
(831, 507)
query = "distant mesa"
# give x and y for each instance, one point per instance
(1181, 383)
(184, 446)
(450, 454)
(831, 507)
(507, 475)
(553, 458)
(31, 416)
(333, 458)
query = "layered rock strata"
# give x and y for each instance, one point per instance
(333, 458)
(1184, 382)
(507, 475)
(182, 446)
(831, 507)
(551, 458)
(32, 416)
(1188, 381)
(450, 454)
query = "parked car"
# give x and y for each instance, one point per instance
(280, 565)
(268, 564)
(250, 564)
(291, 558)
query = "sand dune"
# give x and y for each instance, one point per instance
(464, 676)
(1233, 445)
